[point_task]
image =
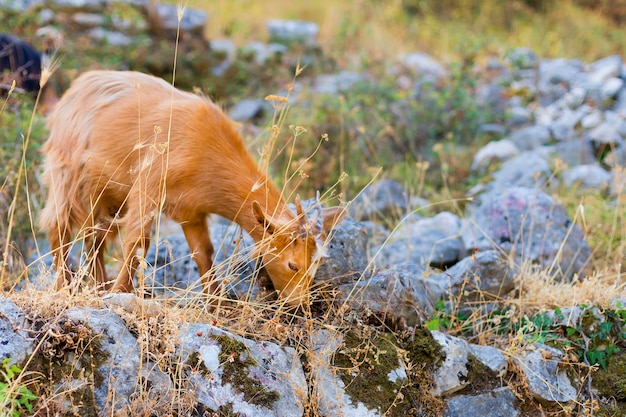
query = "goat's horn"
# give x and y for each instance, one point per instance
(300, 213)
(317, 217)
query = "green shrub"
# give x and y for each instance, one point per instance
(14, 401)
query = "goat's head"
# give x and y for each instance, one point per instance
(293, 249)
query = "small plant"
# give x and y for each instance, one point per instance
(14, 398)
(596, 341)
(440, 318)
(443, 320)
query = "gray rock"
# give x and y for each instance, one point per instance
(224, 46)
(88, 19)
(423, 65)
(432, 241)
(329, 389)
(170, 265)
(383, 200)
(519, 115)
(575, 97)
(434, 250)
(494, 152)
(616, 157)
(492, 96)
(522, 58)
(293, 31)
(347, 253)
(335, 83)
(110, 37)
(568, 316)
(564, 128)
(491, 357)
(575, 152)
(606, 68)
(14, 341)
(452, 375)
(527, 169)
(247, 109)
(497, 403)
(274, 379)
(263, 52)
(485, 275)
(445, 224)
(546, 380)
(73, 6)
(607, 133)
(45, 16)
(253, 378)
(556, 76)
(591, 177)
(226, 49)
(401, 293)
(530, 137)
(591, 120)
(492, 129)
(132, 304)
(120, 370)
(193, 21)
(620, 103)
(377, 234)
(172, 269)
(611, 89)
(528, 224)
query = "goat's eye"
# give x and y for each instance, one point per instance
(293, 267)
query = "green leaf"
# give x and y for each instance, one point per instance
(432, 324)
(606, 327)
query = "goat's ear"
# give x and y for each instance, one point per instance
(262, 218)
(332, 216)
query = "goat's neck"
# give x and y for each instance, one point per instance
(270, 200)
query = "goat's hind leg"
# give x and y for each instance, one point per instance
(96, 246)
(59, 237)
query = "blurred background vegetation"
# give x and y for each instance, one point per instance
(377, 122)
(369, 31)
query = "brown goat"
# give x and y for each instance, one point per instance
(125, 146)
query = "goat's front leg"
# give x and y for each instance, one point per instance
(136, 236)
(199, 241)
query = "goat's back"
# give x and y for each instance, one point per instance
(112, 128)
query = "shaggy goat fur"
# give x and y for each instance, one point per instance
(125, 146)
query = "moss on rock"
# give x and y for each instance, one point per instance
(236, 361)
(69, 364)
(611, 384)
(388, 374)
